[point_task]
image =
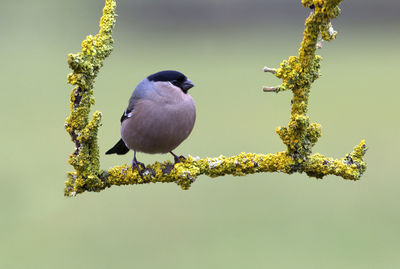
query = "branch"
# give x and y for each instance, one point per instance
(297, 74)
(270, 70)
(85, 66)
(184, 174)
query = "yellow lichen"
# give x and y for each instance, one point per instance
(85, 65)
(297, 74)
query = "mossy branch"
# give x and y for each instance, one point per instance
(297, 73)
(85, 66)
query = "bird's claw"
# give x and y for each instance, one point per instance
(177, 158)
(137, 164)
(182, 157)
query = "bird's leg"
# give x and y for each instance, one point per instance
(176, 158)
(136, 163)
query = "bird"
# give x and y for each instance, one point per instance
(159, 117)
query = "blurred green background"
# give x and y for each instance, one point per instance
(257, 221)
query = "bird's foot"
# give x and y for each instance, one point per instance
(137, 164)
(177, 158)
(182, 157)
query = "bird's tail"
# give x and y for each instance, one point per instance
(120, 148)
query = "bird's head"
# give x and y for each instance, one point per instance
(174, 77)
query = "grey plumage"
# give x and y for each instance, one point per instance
(159, 117)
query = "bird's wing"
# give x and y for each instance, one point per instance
(131, 107)
(125, 115)
(141, 91)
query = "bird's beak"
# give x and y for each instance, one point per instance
(187, 85)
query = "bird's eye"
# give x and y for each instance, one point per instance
(175, 82)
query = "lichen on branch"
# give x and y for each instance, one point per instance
(297, 74)
(85, 66)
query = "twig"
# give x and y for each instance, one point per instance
(297, 73)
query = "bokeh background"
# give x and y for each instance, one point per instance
(257, 221)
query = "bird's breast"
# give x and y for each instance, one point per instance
(159, 126)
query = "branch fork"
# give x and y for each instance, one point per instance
(297, 74)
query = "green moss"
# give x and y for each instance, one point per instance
(351, 167)
(85, 66)
(297, 74)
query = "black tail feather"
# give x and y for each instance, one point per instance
(120, 148)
